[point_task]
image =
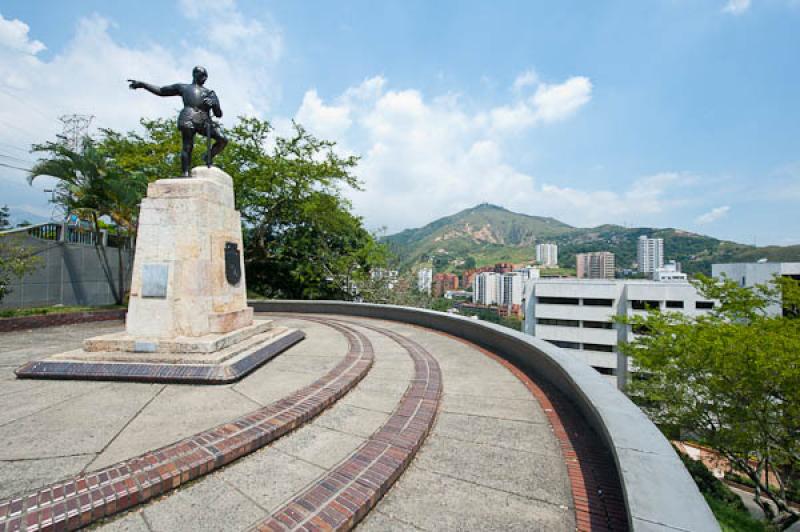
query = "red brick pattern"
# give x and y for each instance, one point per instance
(65, 318)
(345, 495)
(594, 481)
(84, 499)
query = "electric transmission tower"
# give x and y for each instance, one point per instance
(76, 128)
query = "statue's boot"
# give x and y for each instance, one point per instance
(206, 157)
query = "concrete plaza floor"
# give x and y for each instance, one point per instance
(491, 461)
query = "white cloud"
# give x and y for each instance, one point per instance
(87, 76)
(713, 215)
(14, 35)
(423, 158)
(550, 103)
(736, 7)
(526, 79)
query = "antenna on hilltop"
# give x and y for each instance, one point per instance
(76, 128)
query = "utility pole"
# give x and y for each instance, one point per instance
(76, 128)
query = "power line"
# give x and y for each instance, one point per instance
(13, 147)
(5, 156)
(4, 165)
(30, 105)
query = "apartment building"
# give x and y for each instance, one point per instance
(762, 272)
(595, 265)
(547, 255)
(498, 289)
(577, 314)
(650, 254)
(425, 280)
(443, 282)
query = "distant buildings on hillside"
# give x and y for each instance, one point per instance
(547, 255)
(670, 272)
(425, 280)
(444, 282)
(649, 254)
(498, 289)
(595, 265)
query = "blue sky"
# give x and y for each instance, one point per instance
(673, 113)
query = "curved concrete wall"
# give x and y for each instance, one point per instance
(659, 493)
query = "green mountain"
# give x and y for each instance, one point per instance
(487, 234)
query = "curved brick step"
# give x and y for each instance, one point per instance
(81, 500)
(344, 496)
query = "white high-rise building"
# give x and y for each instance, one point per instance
(547, 255)
(425, 280)
(501, 289)
(485, 289)
(510, 292)
(650, 254)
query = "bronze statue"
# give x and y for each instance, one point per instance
(195, 117)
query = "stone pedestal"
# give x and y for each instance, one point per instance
(179, 285)
(188, 299)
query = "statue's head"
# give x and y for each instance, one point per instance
(199, 75)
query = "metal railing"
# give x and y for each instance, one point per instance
(61, 232)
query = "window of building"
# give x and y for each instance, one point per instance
(598, 347)
(557, 300)
(598, 324)
(568, 345)
(557, 323)
(641, 304)
(705, 305)
(640, 329)
(674, 304)
(605, 371)
(597, 302)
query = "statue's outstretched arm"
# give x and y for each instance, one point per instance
(167, 90)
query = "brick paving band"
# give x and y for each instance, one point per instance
(89, 497)
(593, 477)
(344, 496)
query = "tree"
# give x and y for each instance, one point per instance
(92, 185)
(300, 238)
(15, 261)
(5, 218)
(731, 378)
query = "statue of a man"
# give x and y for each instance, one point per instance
(198, 102)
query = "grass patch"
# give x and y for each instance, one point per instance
(41, 311)
(731, 518)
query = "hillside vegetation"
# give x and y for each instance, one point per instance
(487, 234)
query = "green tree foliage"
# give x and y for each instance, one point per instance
(5, 218)
(92, 185)
(301, 240)
(731, 378)
(15, 261)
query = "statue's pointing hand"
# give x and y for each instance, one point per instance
(135, 84)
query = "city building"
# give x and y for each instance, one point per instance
(577, 314)
(670, 272)
(484, 291)
(529, 272)
(753, 273)
(442, 282)
(457, 294)
(499, 289)
(595, 265)
(547, 255)
(390, 276)
(425, 280)
(650, 254)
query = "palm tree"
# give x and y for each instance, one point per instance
(91, 185)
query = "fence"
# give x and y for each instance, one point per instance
(76, 267)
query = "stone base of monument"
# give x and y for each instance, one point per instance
(188, 319)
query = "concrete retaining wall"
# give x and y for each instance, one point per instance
(68, 274)
(659, 493)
